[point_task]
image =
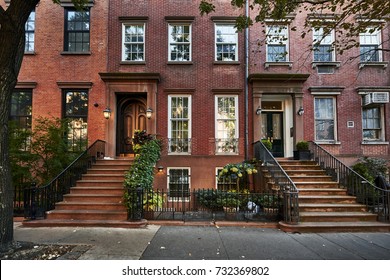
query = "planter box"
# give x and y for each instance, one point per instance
(302, 155)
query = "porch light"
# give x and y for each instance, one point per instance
(149, 112)
(301, 111)
(107, 113)
(258, 111)
(160, 169)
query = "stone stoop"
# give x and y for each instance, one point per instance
(323, 205)
(95, 200)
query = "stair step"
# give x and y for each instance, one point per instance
(93, 198)
(299, 172)
(108, 171)
(97, 190)
(85, 223)
(308, 178)
(95, 183)
(336, 216)
(89, 206)
(322, 191)
(326, 199)
(87, 214)
(331, 207)
(336, 227)
(104, 177)
(325, 185)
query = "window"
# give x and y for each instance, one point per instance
(30, 33)
(324, 118)
(133, 37)
(323, 45)
(76, 111)
(225, 184)
(76, 31)
(226, 131)
(277, 43)
(179, 42)
(372, 124)
(179, 134)
(370, 42)
(179, 184)
(226, 42)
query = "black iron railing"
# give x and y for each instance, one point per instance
(39, 199)
(376, 199)
(280, 178)
(204, 204)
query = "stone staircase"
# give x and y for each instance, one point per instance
(323, 205)
(95, 200)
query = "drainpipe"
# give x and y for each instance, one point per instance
(246, 83)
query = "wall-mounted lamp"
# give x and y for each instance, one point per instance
(160, 169)
(258, 111)
(107, 113)
(96, 104)
(149, 112)
(301, 111)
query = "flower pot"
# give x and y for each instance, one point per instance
(302, 155)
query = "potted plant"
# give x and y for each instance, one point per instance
(267, 144)
(270, 203)
(230, 204)
(302, 151)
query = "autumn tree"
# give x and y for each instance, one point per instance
(13, 17)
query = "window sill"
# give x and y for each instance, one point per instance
(383, 64)
(373, 142)
(225, 154)
(133, 62)
(226, 62)
(75, 53)
(180, 63)
(335, 64)
(30, 53)
(330, 142)
(179, 154)
(284, 63)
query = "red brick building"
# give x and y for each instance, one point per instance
(208, 92)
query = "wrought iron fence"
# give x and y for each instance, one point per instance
(376, 199)
(280, 178)
(205, 204)
(39, 199)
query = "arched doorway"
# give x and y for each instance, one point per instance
(131, 117)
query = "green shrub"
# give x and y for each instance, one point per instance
(302, 146)
(369, 168)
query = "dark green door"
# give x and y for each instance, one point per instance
(272, 129)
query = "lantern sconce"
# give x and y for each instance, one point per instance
(258, 111)
(107, 113)
(301, 111)
(160, 169)
(149, 112)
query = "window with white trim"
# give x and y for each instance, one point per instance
(29, 45)
(325, 118)
(133, 39)
(179, 126)
(226, 124)
(323, 49)
(226, 42)
(277, 43)
(373, 123)
(179, 42)
(370, 43)
(179, 184)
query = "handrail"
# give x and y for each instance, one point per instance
(39, 199)
(287, 186)
(377, 200)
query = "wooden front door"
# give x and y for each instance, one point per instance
(132, 117)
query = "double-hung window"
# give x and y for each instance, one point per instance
(179, 126)
(76, 111)
(370, 43)
(29, 46)
(226, 42)
(179, 184)
(323, 48)
(179, 42)
(277, 43)
(77, 30)
(133, 37)
(325, 118)
(372, 124)
(226, 124)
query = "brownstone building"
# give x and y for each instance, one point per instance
(207, 91)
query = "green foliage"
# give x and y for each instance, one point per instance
(267, 144)
(302, 146)
(370, 168)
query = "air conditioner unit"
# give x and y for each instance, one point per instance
(376, 97)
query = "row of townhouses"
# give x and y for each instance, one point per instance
(208, 91)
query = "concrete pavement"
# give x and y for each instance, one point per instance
(210, 242)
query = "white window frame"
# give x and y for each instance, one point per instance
(278, 34)
(236, 120)
(381, 128)
(172, 43)
(124, 43)
(333, 117)
(189, 119)
(233, 40)
(374, 38)
(319, 39)
(175, 198)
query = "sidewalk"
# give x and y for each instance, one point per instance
(211, 242)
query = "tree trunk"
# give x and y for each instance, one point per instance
(12, 38)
